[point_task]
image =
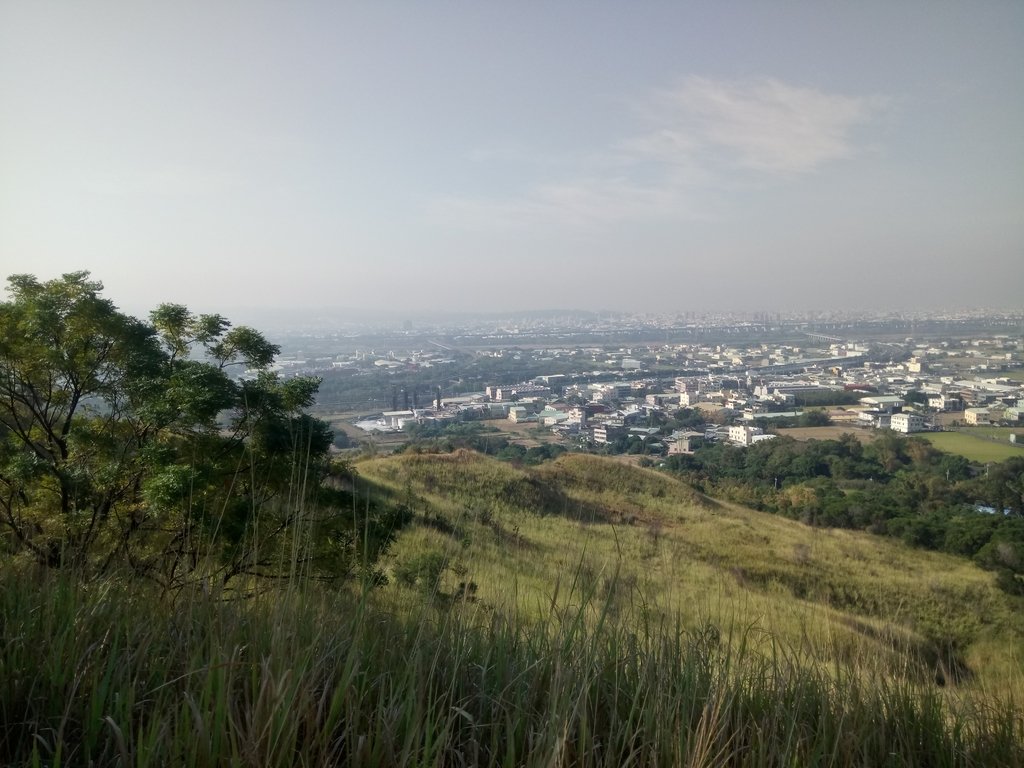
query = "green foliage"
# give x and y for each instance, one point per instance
(435, 438)
(916, 397)
(687, 418)
(532, 456)
(423, 571)
(814, 418)
(898, 486)
(132, 445)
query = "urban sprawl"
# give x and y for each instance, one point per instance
(953, 375)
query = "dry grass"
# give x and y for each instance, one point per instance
(835, 595)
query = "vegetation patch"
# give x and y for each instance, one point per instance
(980, 448)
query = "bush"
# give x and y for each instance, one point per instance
(423, 571)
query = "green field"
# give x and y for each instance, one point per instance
(998, 433)
(974, 448)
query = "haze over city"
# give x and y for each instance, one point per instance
(504, 156)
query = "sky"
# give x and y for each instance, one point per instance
(495, 156)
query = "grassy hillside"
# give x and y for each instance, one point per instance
(98, 675)
(579, 613)
(649, 548)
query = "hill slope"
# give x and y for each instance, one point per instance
(649, 548)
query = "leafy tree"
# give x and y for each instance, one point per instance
(124, 443)
(815, 418)
(915, 396)
(687, 418)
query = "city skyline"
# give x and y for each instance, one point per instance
(499, 157)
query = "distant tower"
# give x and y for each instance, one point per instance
(415, 399)
(437, 400)
(405, 398)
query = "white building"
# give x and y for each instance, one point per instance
(744, 435)
(777, 389)
(686, 384)
(883, 403)
(688, 399)
(517, 392)
(906, 422)
(944, 402)
(875, 419)
(397, 419)
(606, 433)
(610, 391)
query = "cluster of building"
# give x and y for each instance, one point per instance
(740, 392)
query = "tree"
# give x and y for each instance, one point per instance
(167, 447)
(67, 357)
(915, 397)
(815, 418)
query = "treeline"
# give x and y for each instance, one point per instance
(894, 486)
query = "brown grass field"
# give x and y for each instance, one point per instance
(523, 433)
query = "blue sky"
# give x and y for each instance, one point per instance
(645, 156)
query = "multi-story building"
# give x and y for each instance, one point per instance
(516, 392)
(743, 435)
(906, 422)
(606, 433)
(944, 403)
(975, 416)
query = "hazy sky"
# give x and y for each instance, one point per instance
(633, 155)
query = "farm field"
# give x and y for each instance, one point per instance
(996, 433)
(973, 448)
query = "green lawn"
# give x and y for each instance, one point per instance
(999, 433)
(974, 448)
